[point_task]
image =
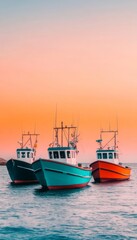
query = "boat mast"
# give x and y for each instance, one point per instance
(29, 135)
(68, 135)
(62, 134)
(115, 132)
(62, 128)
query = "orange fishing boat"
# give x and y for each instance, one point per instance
(107, 167)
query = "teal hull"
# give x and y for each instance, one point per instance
(56, 175)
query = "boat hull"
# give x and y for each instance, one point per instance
(55, 175)
(21, 172)
(109, 172)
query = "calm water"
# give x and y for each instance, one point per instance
(99, 211)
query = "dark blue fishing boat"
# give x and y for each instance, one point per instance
(20, 170)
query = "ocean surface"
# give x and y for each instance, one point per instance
(98, 211)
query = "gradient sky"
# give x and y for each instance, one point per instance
(78, 55)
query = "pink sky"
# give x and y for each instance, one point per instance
(78, 55)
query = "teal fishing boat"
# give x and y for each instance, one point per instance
(61, 170)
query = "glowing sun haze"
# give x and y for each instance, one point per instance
(77, 55)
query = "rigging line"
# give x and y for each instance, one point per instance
(54, 126)
(108, 142)
(117, 122)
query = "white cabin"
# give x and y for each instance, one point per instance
(105, 152)
(63, 154)
(26, 154)
(109, 155)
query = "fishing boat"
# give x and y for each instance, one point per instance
(61, 170)
(20, 169)
(107, 167)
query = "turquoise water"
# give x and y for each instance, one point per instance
(98, 211)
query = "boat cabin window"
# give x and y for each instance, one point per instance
(23, 154)
(104, 155)
(28, 154)
(99, 155)
(68, 154)
(50, 155)
(110, 155)
(62, 154)
(56, 154)
(18, 154)
(115, 155)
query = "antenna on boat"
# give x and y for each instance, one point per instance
(28, 140)
(117, 123)
(56, 129)
(62, 134)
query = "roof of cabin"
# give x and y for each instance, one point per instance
(107, 150)
(60, 148)
(24, 149)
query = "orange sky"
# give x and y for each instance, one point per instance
(78, 55)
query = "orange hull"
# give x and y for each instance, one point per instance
(108, 172)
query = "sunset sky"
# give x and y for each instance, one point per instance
(79, 56)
